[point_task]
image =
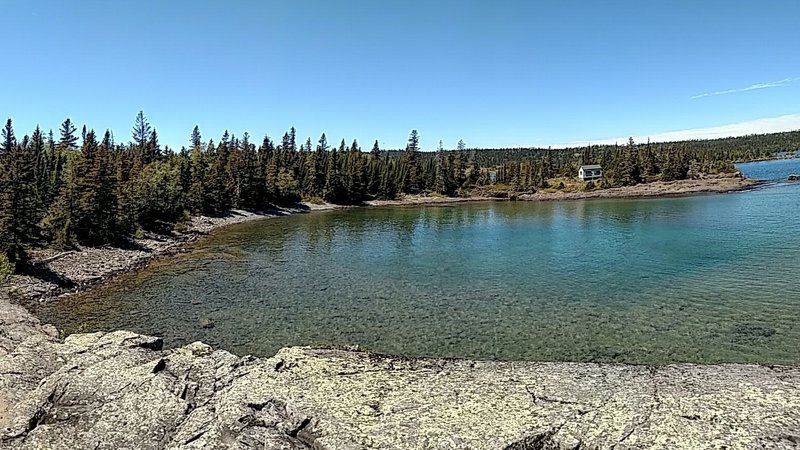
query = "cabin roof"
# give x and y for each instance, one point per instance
(591, 167)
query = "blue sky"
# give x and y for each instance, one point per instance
(494, 73)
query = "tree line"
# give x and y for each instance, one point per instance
(86, 188)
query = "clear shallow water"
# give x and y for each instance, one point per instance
(698, 279)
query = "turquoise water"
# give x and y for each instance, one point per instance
(699, 279)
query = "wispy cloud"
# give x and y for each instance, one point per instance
(752, 87)
(788, 122)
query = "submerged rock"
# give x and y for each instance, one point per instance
(121, 390)
(750, 331)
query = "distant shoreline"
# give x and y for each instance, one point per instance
(680, 188)
(58, 274)
(771, 158)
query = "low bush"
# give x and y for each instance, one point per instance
(6, 269)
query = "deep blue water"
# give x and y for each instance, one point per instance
(700, 279)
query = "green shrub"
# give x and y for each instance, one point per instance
(6, 269)
(180, 227)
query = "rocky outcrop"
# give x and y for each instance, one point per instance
(122, 390)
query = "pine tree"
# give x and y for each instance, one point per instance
(59, 222)
(547, 164)
(153, 146)
(323, 144)
(196, 139)
(236, 173)
(68, 139)
(410, 182)
(628, 167)
(104, 210)
(441, 182)
(292, 139)
(375, 153)
(272, 173)
(39, 196)
(9, 141)
(218, 175)
(249, 179)
(198, 167)
(387, 190)
(321, 164)
(311, 175)
(354, 175)
(374, 170)
(55, 166)
(288, 143)
(648, 162)
(332, 191)
(87, 184)
(142, 133)
(474, 171)
(460, 167)
(19, 195)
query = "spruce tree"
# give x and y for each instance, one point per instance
(441, 182)
(474, 171)
(198, 167)
(218, 176)
(142, 133)
(272, 173)
(375, 153)
(292, 140)
(104, 210)
(287, 143)
(196, 139)
(388, 188)
(39, 193)
(410, 180)
(9, 141)
(628, 166)
(19, 197)
(332, 191)
(68, 139)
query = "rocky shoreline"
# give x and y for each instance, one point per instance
(121, 390)
(717, 184)
(56, 274)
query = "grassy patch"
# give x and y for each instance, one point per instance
(564, 184)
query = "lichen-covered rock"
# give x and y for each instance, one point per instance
(121, 390)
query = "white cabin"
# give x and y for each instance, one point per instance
(591, 172)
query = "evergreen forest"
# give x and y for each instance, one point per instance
(75, 186)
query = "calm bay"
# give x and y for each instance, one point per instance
(698, 279)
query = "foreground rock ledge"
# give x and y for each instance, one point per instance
(121, 390)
